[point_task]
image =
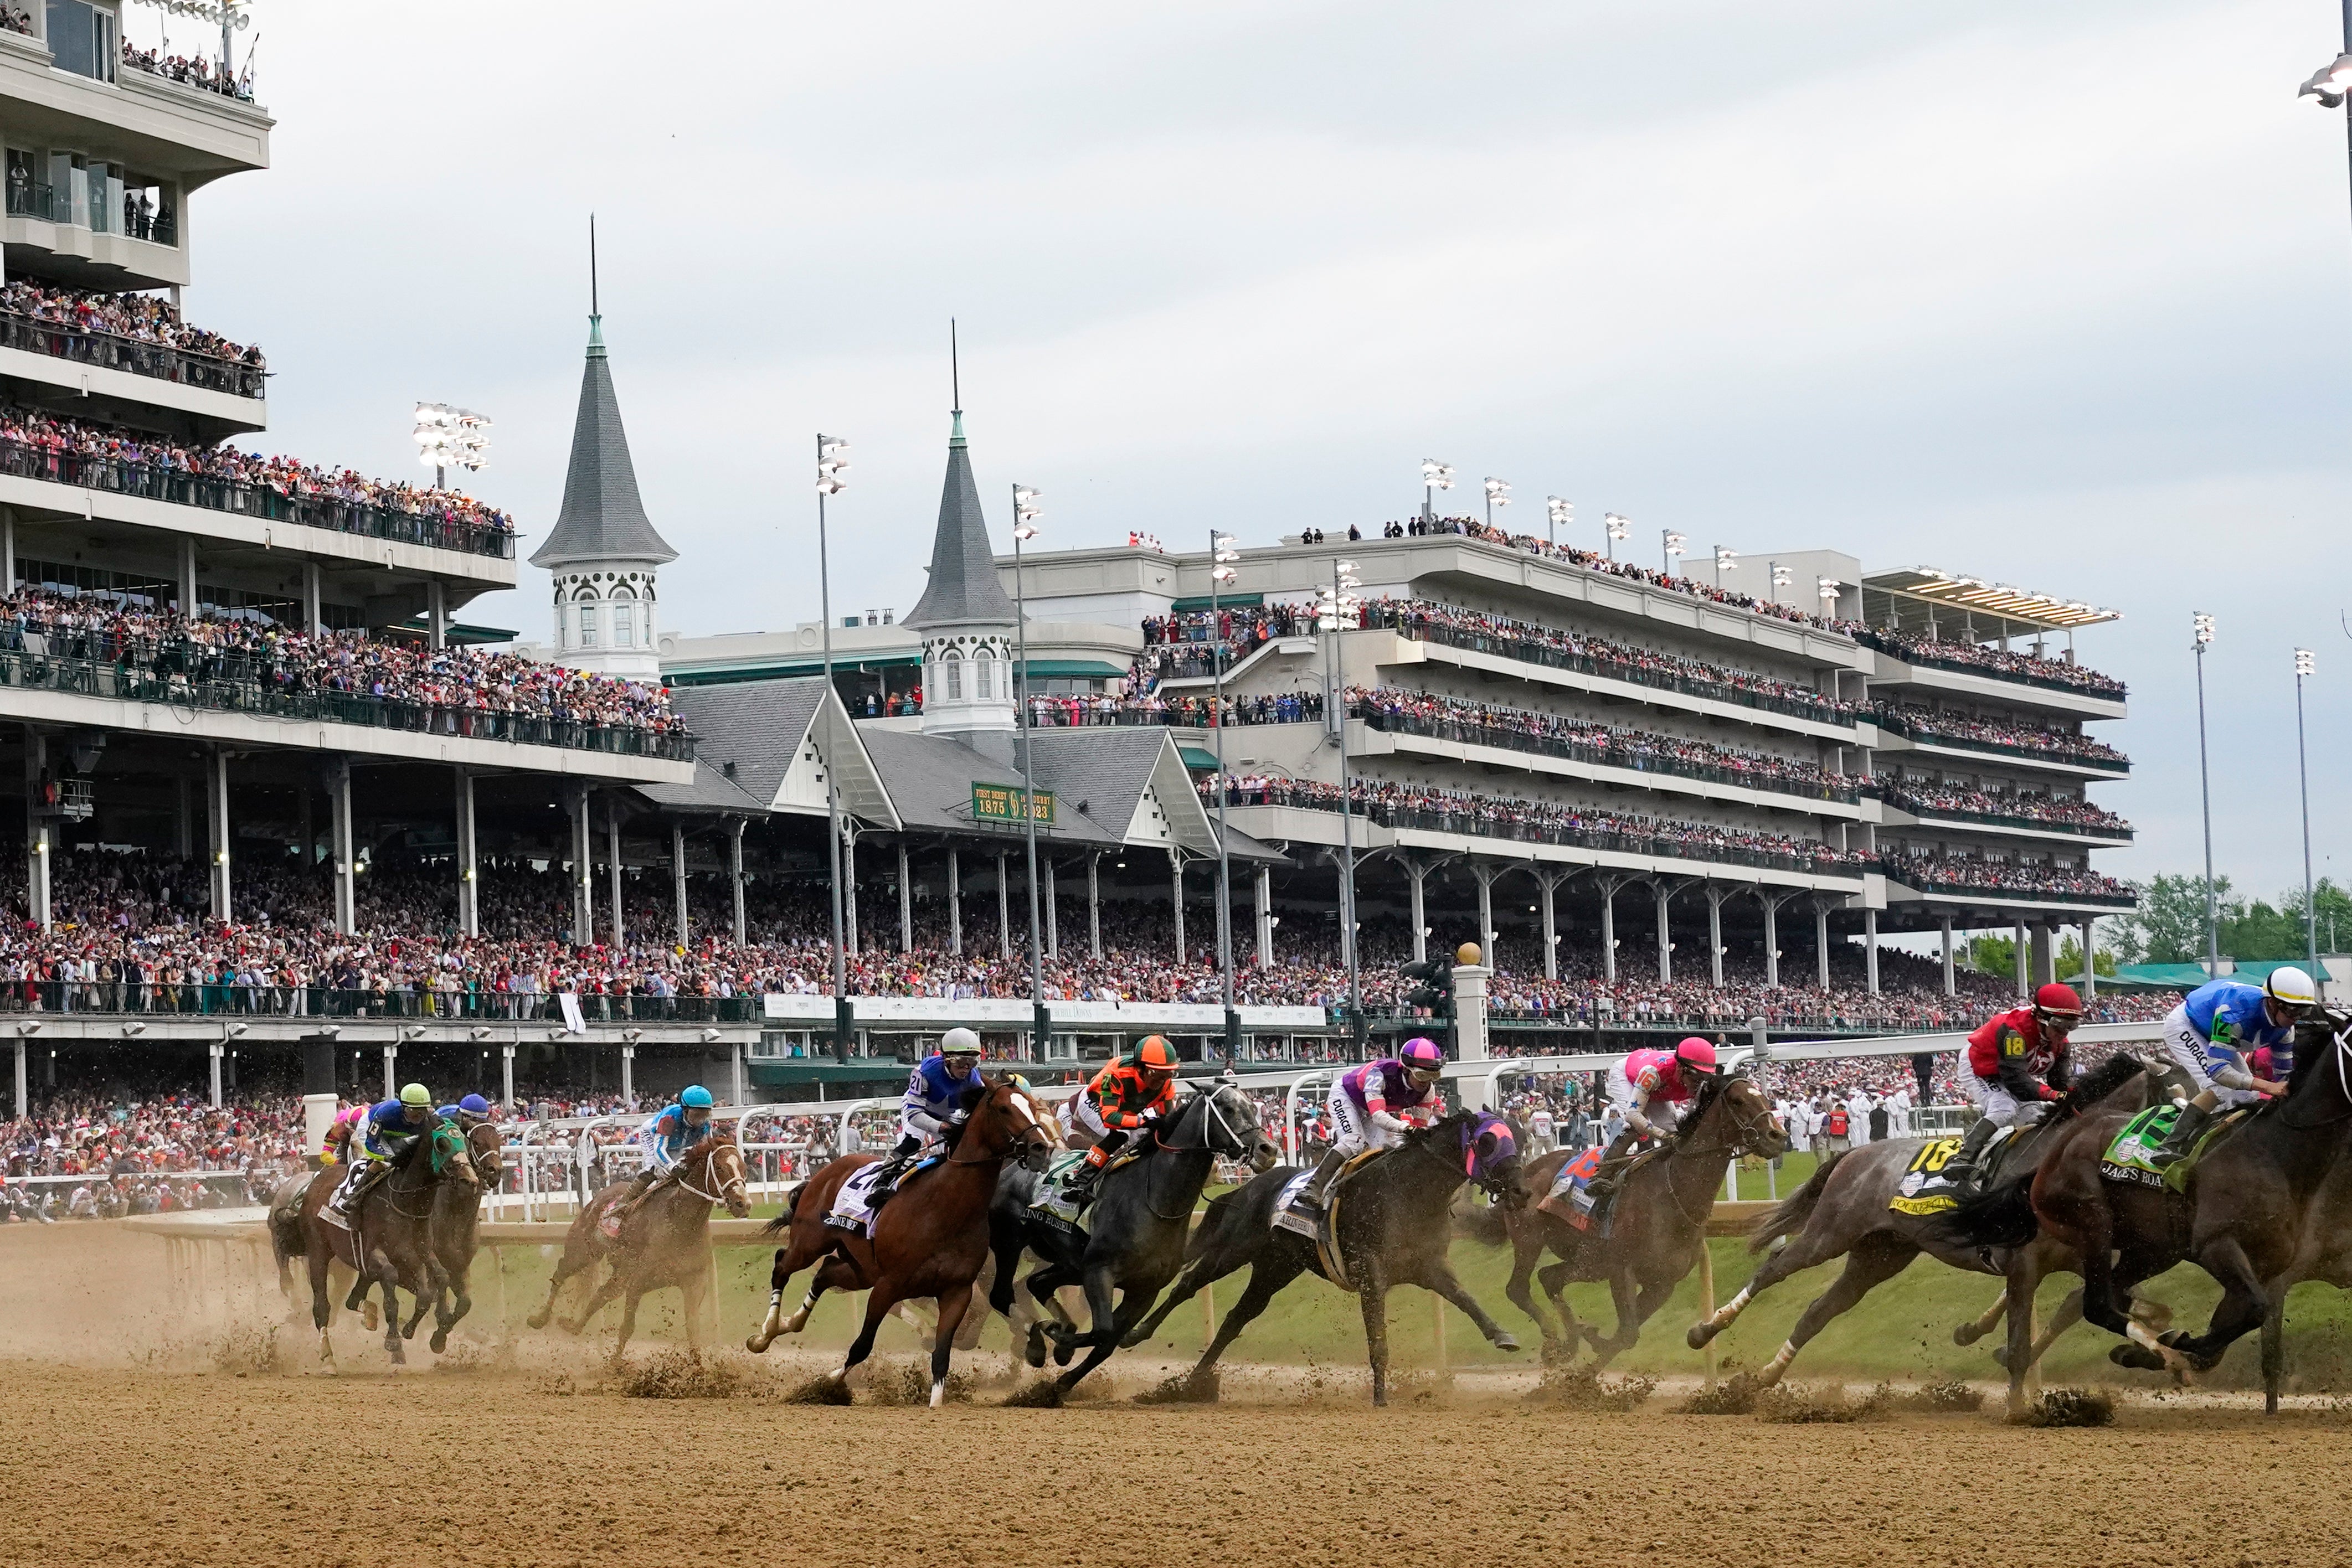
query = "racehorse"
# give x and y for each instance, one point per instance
(928, 1239)
(456, 1212)
(1843, 1211)
(387, 1242)
(2244, 1218)
(665, 1244)
(1657, 1226)
(1393, 1230)
(1134, 1242)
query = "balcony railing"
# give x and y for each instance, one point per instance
(195, 998)
(1919, 875)
(1931, 813)
(177, 487)
(2094, 685)
(109, 352)
(1475, 825)
(29, 200)
(234, 683)
(1601, 756)
(2042, 748)
(1534, 653)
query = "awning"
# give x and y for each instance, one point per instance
(1195, 757)
(1224, 602)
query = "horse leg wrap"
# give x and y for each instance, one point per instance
(1727, 1313)
(799, 1320)
(939, 1392)
(1779, 1362)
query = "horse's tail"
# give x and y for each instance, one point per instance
(1483, 1223)
(1788, 1215)
(783, 1221)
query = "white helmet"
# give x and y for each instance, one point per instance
(964, 1042)
(2290, 987)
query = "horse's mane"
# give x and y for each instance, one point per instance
(1711, 1088)
(2099, 1083)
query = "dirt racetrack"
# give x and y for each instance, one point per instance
(117, 1450)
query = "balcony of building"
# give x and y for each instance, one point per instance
(99, 356)
(1917, 731)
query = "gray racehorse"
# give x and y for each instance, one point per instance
(1844, 1212)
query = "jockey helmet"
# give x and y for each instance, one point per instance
(2057, 1003)
(446, 1112)
(416, 1095)
(2290, 987)
(1153, 1055)
(474, 1105)
(695, 1096)
(1695, 1055)
(960, 1042)
(1422, 1057)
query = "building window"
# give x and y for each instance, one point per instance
(562, 627)
(81, 38)
(953, 665)
(624, 626)
(984, 675)
(587, 625)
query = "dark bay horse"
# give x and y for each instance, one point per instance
(930, 1238)
(2246, 1219)
(1136, 1229)
(1656, 1228)
(450, 1232)
(1393, 1229)
(1842, 1212)
(388, 1243)
(665, 1244)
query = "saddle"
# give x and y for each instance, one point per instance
(2126, 1156)
(1572, 1196)
(1325, 1226)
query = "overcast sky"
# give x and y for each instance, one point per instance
(2052, 295)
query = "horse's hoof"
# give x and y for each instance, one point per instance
(2136, 1356)
(1698, 1336)
(1063, 1351)
(1969, 1333)
(1503, 1341)
(2001, 1358)
(440, 1341)
(756, 1346)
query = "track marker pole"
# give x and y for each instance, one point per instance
(1707, 1295)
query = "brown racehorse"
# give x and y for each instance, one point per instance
(930, 1238)
(665, 1244)
(1657, 1227)
(456, 1212)
(388, 1244)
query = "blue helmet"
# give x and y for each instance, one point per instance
(446, 1112)
(474, 1104)
(697, 1096)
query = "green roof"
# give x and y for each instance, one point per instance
(1224, 602)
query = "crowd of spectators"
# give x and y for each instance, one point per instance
(51, 439)
(143, 318)
(1496, 816)
(151, 1135)
(1196, 710)
(2040, 811)
(196, 73)
(15, 19)
(1918, 648)
(132, 633)
(1975, 874)
(1928, 725)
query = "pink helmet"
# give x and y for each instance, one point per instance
(1422, 1054)
(1695, 1054)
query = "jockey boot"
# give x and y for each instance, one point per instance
(1316, 1193)
(2187, 1128)
(1078, 1187)
(346, 1199)
(1960, 1170)
(1610, 1173)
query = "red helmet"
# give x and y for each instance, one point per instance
(2060, 1001)
(1696, 1055)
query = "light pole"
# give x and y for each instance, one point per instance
(1334, 602)
(1826, 589)
(1618, 528)
(2303, 666)
(1673, 547)
(2332, 82)
(450, 438)
(1222, 555)
(1724, 560)
(1026, 513)
(1498, 494)
(2201, 626)
(1434, 477)
(832, 463)
(1781, 577)
(1558, 515)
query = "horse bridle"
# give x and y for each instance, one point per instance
(2340, 1049)
(1208, 1108)
(1743, 1127)
(1029, 1123)
(711, 1160)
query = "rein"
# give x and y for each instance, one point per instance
(711, 1163)
(1029, 1119)
(1745, 1130)
(2341, 1047)
(1208, 1104)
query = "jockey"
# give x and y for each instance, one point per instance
(934, 1101)
(2209, 1036)
(385, 1132)
(337, 1144)
(1132, 1091)
(2016, 1064)
(469, 1113)
(672, 1131)
(1647, 1089)
(1373, 1106)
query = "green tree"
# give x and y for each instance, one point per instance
(2168, 927)
(2069, 958)
(1991, 954)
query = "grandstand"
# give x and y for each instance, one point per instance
(290, 818)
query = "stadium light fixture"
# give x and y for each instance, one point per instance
(1026, 510)
(1619, 529)
(832, 463)
(2200, 630)
(1724, 560)
(1498, 494)
(1559, 514)
(449, 437)
(1675, 545)
(1222, 557)
(1826, 589)
(2331, 83)
(1026, 513)
(2303, 666)
(1434, 477)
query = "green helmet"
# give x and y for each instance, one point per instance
(416, 1095)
